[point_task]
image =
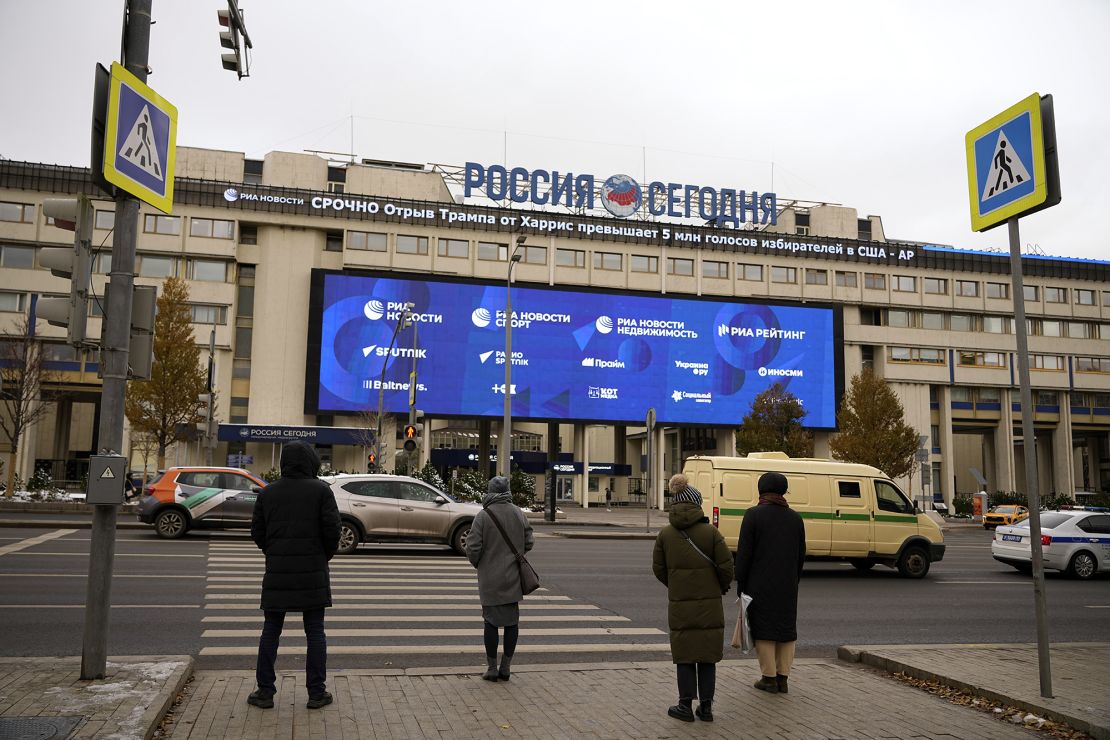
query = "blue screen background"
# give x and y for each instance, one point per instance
(592, 367)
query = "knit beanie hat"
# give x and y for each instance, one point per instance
(499, 484)
(773, 483)
(688, 495)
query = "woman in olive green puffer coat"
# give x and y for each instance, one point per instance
(695, 613)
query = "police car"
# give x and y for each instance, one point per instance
(1076, 542)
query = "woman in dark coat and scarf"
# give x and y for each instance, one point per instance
(498, 573)
(695, 582)
(769, 560)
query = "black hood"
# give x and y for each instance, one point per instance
(299, 460)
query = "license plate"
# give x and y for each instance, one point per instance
(1011, 537)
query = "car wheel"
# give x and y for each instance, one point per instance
(862, 563)
(170, 524)
(458, 539)
(349, 537)
(1082, 565)
(914, 562)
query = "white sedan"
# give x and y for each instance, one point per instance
(1076, 542)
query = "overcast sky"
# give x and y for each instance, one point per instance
(863, 104)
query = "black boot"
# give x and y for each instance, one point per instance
(682, 711)
(261, 699)
(781, 681)
(768, 684)
(705, 711)
(491, 668)
(503, 671)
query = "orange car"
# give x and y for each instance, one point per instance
(185, 498)
(1005, 514)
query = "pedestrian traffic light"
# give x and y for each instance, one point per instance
(410, 438)
(234, 36)
(73, 263)
(371, 462)
(144, 311)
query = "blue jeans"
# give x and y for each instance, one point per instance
(316, 664)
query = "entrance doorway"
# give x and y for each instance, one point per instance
(564, 488)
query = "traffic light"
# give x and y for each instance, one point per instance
(411, 438)
(234, 36)
(74, 263)
(207, 426)
(371, 462)
(144, 310)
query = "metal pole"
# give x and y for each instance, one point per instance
(209, 443)
(381, 381)
(115, 344)
(1029, 446)
(504, 450)
(414, 459)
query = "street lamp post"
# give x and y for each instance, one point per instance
(504, 450)
(402, 321)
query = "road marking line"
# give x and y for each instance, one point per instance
(434, 618)
(114, 606)
(85, 575)
(348, 579)
(404, 631)
(38, 540)
(1097, 606)
(988, 583)
(253, 606)
(118, 554)
(450, 649)
(366, 588)
(393, 597)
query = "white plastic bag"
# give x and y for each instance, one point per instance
(742, 633)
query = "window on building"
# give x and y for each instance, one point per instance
(1084, 297)
(1052, 328)
(243, 338)
(1079, 330)
(971, 358)
(534, 255)
(102, 263)
(904, 283)
(20, 213)
(96, 307)
(244, 305)
(995, 325)
(1080, 399)
(1046, 362)
(211, 227)
(1047, 398)
(252, 171)
(608, 261)
(817, 277)
(921, 355)
(932, 320)
(679, 266)
(157, 266)
(367, 241)
(493, 252)
(12, 302)
(240, 368)
(214, 271)
(1106, 299)
(204, 313)
(1104, 331)
(18, 257)
(643, 263)
(749, 272)
(412, 244)
(899, 318)
(154, 224)
(961, 322)
(458, 248)
(845, 279)
(936, 286)
(961, 395)
(863, 226)
(998, 290)
(874, 281)
(988, 395)
(570, 258)
(1031, 292)
(1055, 295)
(333, 241)
(104, 220)
(967, 288)
(781, 274)
(337, 179)
(248, 234)
(714, 269)
(801, 224)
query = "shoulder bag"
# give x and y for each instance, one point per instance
(529, 579)
(707, 558)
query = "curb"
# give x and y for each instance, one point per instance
(154, 714)
(606, 535)
(852, 654)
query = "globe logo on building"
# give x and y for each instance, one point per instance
(231, 195)
(374, 309)
(621, 196)
(480, 317)
(604, 324)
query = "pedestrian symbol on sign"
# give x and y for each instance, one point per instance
(1006, 168)
(138, 148)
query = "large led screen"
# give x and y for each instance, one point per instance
(577, 355)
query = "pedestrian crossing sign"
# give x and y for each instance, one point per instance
(140, 140)
(1011, 164)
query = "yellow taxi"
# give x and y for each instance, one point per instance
(1005, 514)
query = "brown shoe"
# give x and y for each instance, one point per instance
(781, 681)
(768, 684)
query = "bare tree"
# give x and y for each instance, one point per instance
(22, 375)
(366, 424)
(146, 445)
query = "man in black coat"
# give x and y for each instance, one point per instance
(769, 560)
(296, 524)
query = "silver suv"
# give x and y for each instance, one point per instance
(395, 508)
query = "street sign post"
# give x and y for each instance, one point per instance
(140, 140)
(648, 485)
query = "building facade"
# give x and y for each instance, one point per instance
(935, 322)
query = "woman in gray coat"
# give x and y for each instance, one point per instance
(498, 574)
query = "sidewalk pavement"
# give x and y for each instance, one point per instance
(827, 698)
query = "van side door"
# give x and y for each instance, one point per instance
(895, 519)
(809, 496)
(851, 524)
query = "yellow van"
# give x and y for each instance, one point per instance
(851, 512)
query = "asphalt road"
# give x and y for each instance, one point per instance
(198, 596)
